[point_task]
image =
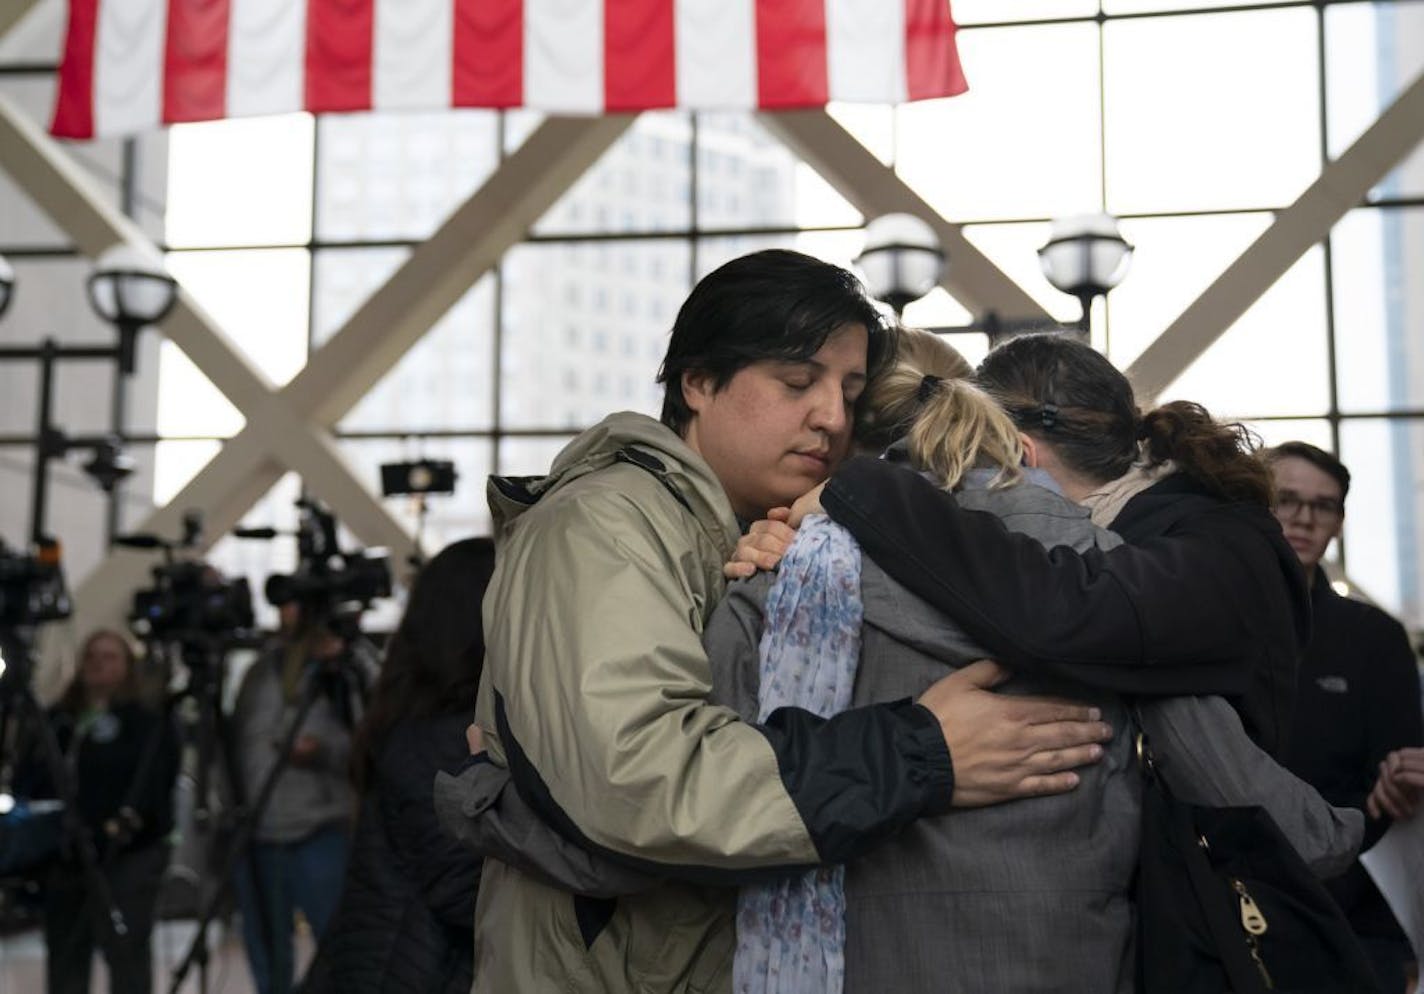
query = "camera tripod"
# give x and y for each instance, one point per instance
(250, 817)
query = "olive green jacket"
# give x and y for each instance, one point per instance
(595, 692)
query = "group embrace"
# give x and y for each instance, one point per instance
(812, 779)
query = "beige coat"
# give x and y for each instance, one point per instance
(608, 570)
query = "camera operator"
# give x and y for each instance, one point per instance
(298, 855)
(124, 759)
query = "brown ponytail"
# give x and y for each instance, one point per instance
(1218, 456)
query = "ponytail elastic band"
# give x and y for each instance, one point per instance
(928, 384)
(1048, 416)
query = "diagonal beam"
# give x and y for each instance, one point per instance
(1341, 186)
(287, 429)
(63, 189)
(875, 189)
(12, 12)
(465, 248)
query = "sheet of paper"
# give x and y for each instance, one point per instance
(1396, 862)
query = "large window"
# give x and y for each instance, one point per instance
(1193, 123)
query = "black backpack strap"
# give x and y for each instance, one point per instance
(652, 464)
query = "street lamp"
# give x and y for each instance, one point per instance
(902, 260)
(129, 289)
(1085, 257)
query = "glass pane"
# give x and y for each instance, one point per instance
(447, 518)
(399, 175)
(1273, 432)
(1187, 134)
(747, 178)
(1272, 360)
(244, 181)
(584, 329)
(1014, 249)
(1019, 143)
(992, 11)
(445, 381)
(529, 456)
(1379, 309)
(176, 462)
(937, 309)
(1139, 6)
(50, 301)
(188, 402)
(260, 298)
(1372, 51)
(1175, 259)
(642, 183)
(1382, 519)
(873, 125)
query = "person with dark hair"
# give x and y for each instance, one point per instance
(1358, 692)
(1033, 896)
(299, 846)
(1204, 597)
(595, 688)
(405, 921)
(123, 757)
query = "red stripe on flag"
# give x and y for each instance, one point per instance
(791, 53)
(489, 54)
(639, 55)
(338, 63)
(195, 61)
(932, 66)
(74, 109)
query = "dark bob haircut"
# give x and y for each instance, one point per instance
(773, 304)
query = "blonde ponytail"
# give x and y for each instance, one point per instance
(960, 427)
(950, 425)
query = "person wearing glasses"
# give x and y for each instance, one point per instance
(1357, 705)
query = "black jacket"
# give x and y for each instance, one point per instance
(1358, 701)
(1206, 597)
(127, 756)
(406, 918)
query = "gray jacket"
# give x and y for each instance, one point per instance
(1018, 897)
(1032, 895)
(305, 797)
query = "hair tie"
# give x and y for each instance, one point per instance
(1048, 416)
(928, 383)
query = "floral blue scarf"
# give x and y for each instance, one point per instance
(791, 934)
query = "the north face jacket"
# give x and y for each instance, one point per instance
(596, 686)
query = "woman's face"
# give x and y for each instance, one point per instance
(105, 666)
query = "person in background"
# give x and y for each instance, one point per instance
(123, 757)
(297, 857)
(406, 917)
(1357, 704)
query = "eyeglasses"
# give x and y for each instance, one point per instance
(1291, 504)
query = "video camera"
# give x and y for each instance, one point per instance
(188, 598)
(32, 588)
(328, 582)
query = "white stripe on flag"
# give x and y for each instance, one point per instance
(414, 49)
(266, 57)
(716, 54)
(128, 65)
(865, 50)
(563, 55)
